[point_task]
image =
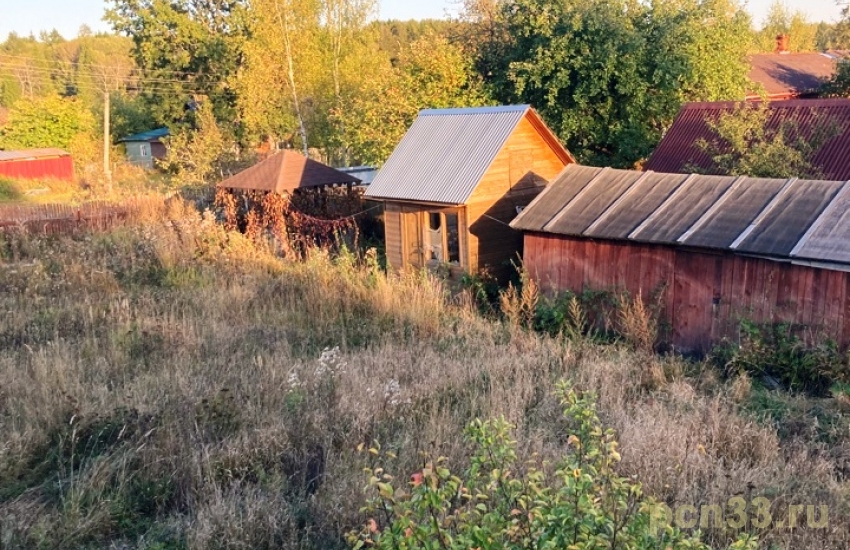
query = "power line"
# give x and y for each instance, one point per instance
(94, 65)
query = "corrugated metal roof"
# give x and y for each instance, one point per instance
(678, 151)
(286, 171)
(150, 135)
(791, 74)
(793, 218)
(28, 154)
(445, 153)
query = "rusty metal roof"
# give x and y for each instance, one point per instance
(678, 151)
(446, 152)
(784, 219)
(31, 154)
(787, 75)
(286, 171)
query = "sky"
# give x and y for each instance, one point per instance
(66, 16)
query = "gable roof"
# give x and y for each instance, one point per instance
(32, 154)
(286, 171)
(446, 152)
(678, 151)
(786, 75)
(150, 135)
(802, 220)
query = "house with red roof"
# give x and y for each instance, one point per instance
(680, 152)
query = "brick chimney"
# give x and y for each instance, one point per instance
(782, 43)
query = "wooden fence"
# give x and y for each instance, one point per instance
(53, 219)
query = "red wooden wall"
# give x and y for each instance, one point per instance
(706, 294)
(43, 168)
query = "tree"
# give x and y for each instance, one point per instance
(431, 73)
(839, 84)
(609, 77)
(50, 121)
(185, 48)
(781, 20)
(745, 144)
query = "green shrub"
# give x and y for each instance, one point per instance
(500, 503)
(777, 353)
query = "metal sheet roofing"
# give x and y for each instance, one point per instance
(445, 153)
(150, 135)
(786, 223)
(788, 219)
(722, 226)
(678, 151)
(30, 154)
(785, 75)
(286, 171)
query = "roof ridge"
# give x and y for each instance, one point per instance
(485, 110)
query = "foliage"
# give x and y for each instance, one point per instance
(609, 77)
(499, 502)
(50, 121)
(787, 355)
(839, 84)
(194, 154)
(781, 20)
(431, 73)
(185, 48)
(746, 145)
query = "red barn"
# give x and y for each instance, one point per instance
(37, 164)
(720, 249)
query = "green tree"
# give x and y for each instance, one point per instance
(50, 121)
(780, 19)
(745, 144)
(610, 76)
(185, 49)
(431, 73)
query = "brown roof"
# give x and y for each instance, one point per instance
(678, 151)
(29, 154)
(788, 75)
(286, 171)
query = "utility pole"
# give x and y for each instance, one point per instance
(106, 170)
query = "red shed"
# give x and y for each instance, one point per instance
(721, 248)
(37, 164)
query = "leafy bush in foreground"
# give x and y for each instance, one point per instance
(498, 503)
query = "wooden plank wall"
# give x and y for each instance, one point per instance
(517, 175)
(393, 234)
(705, 294)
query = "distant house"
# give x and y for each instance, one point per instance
(37, 164)
(457, 179)
(144, 148)
(786, 75)
(285, 172)
(719, 249)
(366, 174)
(679, 151)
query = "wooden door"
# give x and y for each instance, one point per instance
(413, 238)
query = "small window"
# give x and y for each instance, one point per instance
(145, 150)
(434, 221)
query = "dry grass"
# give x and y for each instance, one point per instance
(173, 385)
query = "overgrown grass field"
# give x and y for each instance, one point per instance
(170, 384)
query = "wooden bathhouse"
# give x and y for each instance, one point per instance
(719, 249)
(455, 182)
